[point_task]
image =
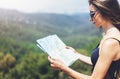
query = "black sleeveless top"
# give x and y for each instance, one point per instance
(113, 67)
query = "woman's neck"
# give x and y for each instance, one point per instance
(110, 29)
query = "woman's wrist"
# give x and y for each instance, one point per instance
(64, 68)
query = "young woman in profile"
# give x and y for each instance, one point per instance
(105, 58)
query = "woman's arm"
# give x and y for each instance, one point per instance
(83, 58)
(58, 65)
(107, 54)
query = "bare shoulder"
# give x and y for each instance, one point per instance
(111, 42)
(111, 48)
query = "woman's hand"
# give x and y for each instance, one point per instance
(56, 64)
(68, 47)
(83, 58)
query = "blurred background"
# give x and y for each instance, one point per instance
(22, 22)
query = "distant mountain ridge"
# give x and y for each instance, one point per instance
(25, 26)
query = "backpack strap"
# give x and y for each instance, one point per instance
(116, 37)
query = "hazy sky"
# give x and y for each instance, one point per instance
(54, 6)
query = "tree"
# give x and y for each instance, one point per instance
(7, 61)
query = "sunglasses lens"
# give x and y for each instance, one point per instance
(92, 13)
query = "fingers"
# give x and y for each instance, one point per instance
(51, 59)
(52, 63)
(68, 47)
(55, 63)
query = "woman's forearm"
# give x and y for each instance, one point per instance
(75, 74)
(85, 59)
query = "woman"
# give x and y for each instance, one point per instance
(105, 57)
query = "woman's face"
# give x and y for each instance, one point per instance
(96, 17)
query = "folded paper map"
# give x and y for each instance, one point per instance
(55, 48)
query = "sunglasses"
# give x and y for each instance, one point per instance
(92, 13)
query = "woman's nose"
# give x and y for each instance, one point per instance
(90, 19)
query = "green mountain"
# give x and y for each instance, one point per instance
(41, 24)
(23, 27)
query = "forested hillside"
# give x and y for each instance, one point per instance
(20, 58)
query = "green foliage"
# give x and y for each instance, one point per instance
(18, 35)
(32, 66)
(7, 61)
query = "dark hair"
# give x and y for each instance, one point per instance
(109, 9)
